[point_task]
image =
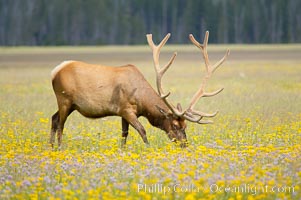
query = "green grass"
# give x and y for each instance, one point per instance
(142, 48)
(254, 141)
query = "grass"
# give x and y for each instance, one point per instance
(141, 48)
(252, 151)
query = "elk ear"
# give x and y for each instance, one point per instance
(162, 111)
(179, 107)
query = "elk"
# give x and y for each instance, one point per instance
(98, 91)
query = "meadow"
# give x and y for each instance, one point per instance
(252, 151)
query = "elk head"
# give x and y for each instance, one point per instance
(177, 115)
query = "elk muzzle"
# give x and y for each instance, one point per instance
(179, 137)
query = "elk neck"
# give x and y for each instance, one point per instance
(154, 116)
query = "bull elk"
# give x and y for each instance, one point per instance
(98, 91)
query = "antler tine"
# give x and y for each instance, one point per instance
(221, 61)
(199, 113)
(203, 47)
(160, 71)
(156, 52)
(196, 119)
(210, 94)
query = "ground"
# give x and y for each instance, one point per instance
(252, 151)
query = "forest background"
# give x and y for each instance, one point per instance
(125, 22)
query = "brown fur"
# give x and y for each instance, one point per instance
(98, 91)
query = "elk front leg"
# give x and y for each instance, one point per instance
(132, 119)
(125, 131)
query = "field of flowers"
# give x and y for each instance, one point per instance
(252, 151)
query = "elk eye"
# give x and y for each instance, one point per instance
(175, 126)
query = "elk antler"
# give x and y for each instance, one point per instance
(160, 71)
(189, 114)
(196, 116)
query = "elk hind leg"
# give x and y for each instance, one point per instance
(125, 132)
(54, 127)
(64, 112)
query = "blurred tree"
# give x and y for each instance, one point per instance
(97, 22)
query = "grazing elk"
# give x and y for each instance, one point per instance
(98, 91)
